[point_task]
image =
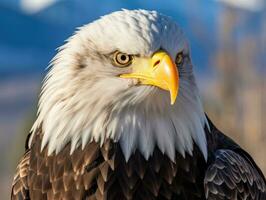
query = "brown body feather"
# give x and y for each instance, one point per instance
(101, 172)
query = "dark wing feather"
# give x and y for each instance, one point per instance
(20, 184)
(231, 177)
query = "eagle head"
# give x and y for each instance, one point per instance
(127, 77)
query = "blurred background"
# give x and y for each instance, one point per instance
(228, 42)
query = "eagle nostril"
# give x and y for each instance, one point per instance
(156, 63)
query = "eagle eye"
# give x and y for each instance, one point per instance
(122, 59)
(179, 58)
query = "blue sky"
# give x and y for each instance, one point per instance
(32, 33)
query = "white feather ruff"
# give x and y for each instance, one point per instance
(78, 106)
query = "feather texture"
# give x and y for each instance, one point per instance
(231, 177)
(20, 187)
(102, 172)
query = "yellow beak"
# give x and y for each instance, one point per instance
(159, 70)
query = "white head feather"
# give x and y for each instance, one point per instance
(83, 99)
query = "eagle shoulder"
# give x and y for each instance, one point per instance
(230, 176)
(231, 172)
(20, 188)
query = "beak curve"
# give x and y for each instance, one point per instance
(160, 71)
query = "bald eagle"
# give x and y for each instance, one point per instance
(106, 127)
